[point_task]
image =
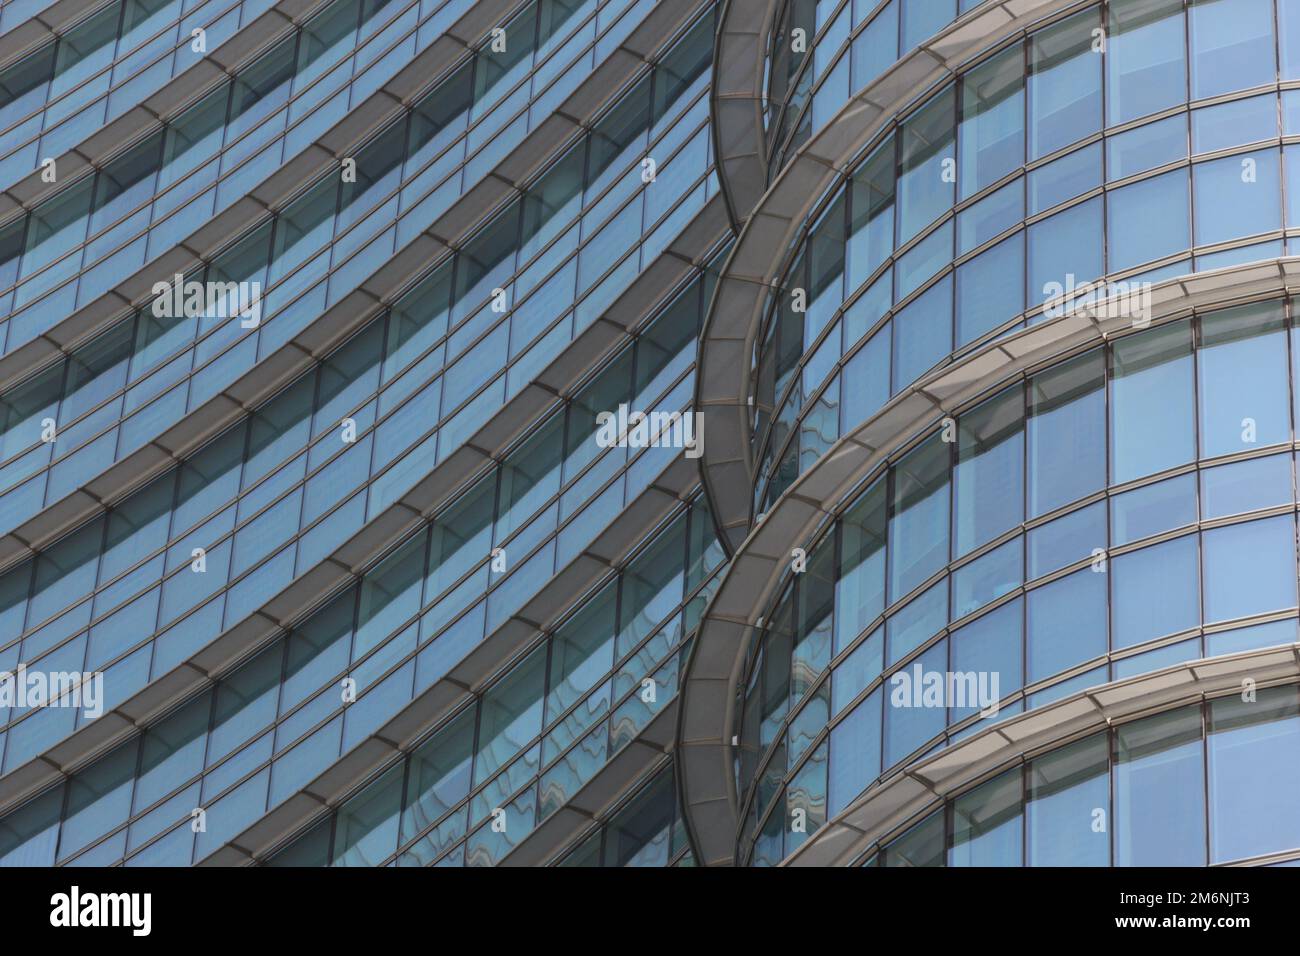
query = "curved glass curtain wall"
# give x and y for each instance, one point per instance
(846, 45)
(410, 815)
(273, 496)
(406, 624)
(562, 251)
(905, 265)
(1205, 784)
(553, 717)
(67, 89)
(77, 244)
(647, 830)
(1127, 509)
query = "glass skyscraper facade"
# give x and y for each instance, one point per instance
(618, 432)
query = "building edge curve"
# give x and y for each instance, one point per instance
(706, 717)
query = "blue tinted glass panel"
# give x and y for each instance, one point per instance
(1254, 762)
(1237, 196)
(1066, 623)
(1146, 63)
(1159, 791)
(1147, 220)
(1232, 45)
(1249, 568)
(1151, 413)
(1155, 591)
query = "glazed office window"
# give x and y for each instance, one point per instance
(1237, 196)
(922, 334)
(871, 229)
(921, 846)
(511, 714)
(1160, 791)
(1064, 788)
(1155, 592)
(1246, 486)
(1065, 433)
(368, 822)
(990, 646)
(854, 753)
(925, 188)
(1146, 62)
(1289, 40)
(908, 726)
(987, 478)
(1250, 752)
(1147, 220)
(1242, 376)
(1063, 245)
(1064, 84)
(1248, 568)
(918, 524)
(910, 627)
(806, 801)
(1151, 414)
(1066, 623)
(991, 136)
(988, 578)
(1217, 39)
(922, 19)
(825, 272)
(875, 48)
(1232, 45)
(582, 652)
(816, 600)
(784, 60)
(773, 689)
(646, 830)
(990, 287)
(987, 828)
(860, 585)
(1233, 123)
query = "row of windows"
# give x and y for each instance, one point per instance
(423, 820)
(550, 248)
(122, 595)
(1012, 244)
(548, 711)
(110, 61)
(79, 243)
(647, 830)
(1229, 43)
(1211, 783)
(902, 577)
(891, 29)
